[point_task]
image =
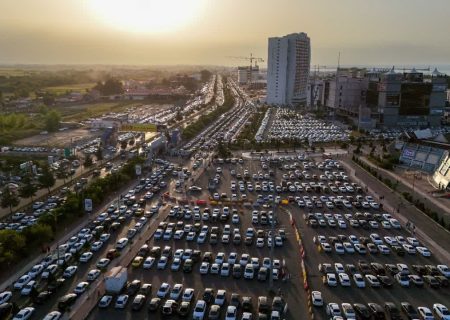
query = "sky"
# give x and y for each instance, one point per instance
(213, 32)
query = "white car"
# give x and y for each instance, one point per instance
(333, 310)
(225, 270)
(103, 263)
(359, 280)
(220, 297)
(413, 241)
(176, 264)
(373, 281)
(70, 271)
(176, 291)
(204, 268)
(316, 297)
(51, 269)
(339, 267)
(188, 295)
(105, 301)
(162, 263)
(24, 314)
(199, 310)
(86, 256)
(348, 311)
(424, 251)
(54, 315)
(344, 279)
(425, 313)
(331, 280)
(93, 274)
(81, 287)
(235, 219)
(23, 280)
(36, 270)
(26, 290)
(441, 311)
(5, 296)
(121, 301)
(163, 290)
(402, 279)
(97, 245)
(249, 272)
(231, 313)
(444, 270)
(148, 263)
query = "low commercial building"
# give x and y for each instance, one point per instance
(441, 176)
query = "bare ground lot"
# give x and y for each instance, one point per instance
(59, 139)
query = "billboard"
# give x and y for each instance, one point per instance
(408, 153)
(87, 204)
(138, 127)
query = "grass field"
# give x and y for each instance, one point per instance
(13, 72)
(60, 90)
(86, 111)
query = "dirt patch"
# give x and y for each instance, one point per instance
(59, 139)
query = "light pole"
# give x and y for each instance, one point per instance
(273, 234)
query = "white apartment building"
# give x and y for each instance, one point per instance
(288, 66)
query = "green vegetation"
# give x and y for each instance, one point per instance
(206, 119)
(249, 130)
(110, 87)
(9, 199)
(68, 88)
(14, 246)
(85, 111)
(28, 188)
(19, 83)
(46, 179)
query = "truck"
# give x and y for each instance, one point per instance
(116, 280)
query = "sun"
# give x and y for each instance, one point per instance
(146, 16)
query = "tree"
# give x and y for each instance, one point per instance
(48, 99)
(47, 179)
(9, 199)
(179, 116)
(52, 119)
(205, 75)
(88, 161)
(110, 87)
(99, 153)
(28, 189)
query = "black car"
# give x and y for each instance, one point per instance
(378, 268)
(145, 289)
(385, 281)
(432, 282)
(362, 311)
(278, 304)
(154, 304)
(207, 257)
(42, 297)
(419, 269)
(208, 295)
(138, 302)
(263, 305)
(184, 309)
(409, 310)
(392, 311)
(237, 271)
(377, 311)
(52, 286)
(133, 287)
(235, 300)
(187, 267)
(247, 304)
(443, 281)
(66, 301)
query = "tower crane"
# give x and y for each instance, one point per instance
(251, 59)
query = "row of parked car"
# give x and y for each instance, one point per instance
(211, 304)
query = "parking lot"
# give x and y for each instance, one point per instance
(236, 226)
(285, 256)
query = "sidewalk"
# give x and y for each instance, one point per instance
(417, 190)
(394, 204)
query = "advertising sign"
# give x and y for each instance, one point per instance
(408, 153)
(138, 169)
(138, 127)
(88, 205)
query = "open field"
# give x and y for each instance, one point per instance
(13, 72)
(18, 126)
(58, 138)
(60, 90)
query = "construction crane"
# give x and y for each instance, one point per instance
(251, 59)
